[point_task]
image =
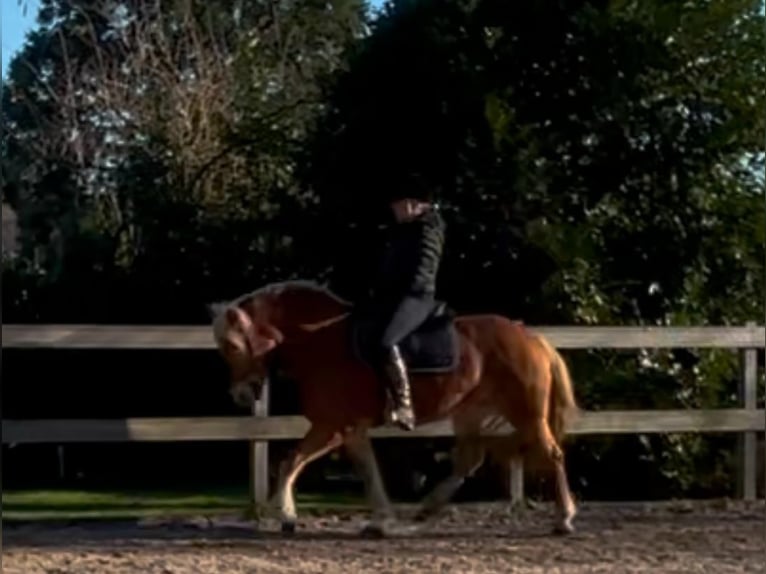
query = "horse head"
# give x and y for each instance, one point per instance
(244, 340)
(250, 327)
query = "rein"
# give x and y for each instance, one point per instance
(313, 327)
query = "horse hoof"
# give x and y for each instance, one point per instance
(563, 529)
(288, 528)
(374, 531)
(518, 507)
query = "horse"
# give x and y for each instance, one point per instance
(503, 374)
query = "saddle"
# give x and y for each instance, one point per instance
(432, 348)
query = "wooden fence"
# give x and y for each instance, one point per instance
(260, 428)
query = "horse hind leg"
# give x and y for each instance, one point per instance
(532, 416)
(468, 456)
(509, 452)
(362, 454)
(553, 457)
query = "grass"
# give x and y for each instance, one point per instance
(66, 504)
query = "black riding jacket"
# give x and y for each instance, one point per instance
(411, 259)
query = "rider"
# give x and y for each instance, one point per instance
(404, 291)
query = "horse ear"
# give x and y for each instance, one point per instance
(233, 315)
(215, 309)
(264, 338)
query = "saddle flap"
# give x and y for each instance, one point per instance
(433, 347)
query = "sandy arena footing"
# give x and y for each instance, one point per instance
(718, 537)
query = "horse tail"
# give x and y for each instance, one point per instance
(563, 405)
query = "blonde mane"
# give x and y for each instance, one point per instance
(218, 310)
(282, 286)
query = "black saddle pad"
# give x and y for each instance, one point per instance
(431, 348)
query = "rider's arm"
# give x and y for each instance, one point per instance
(430, 249)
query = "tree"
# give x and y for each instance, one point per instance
(597, 162)
(590, 156)
(171, 126)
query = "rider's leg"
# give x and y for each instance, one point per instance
(408, 316)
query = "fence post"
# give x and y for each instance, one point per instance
(517, 482)
(259, 457)
(747, 440)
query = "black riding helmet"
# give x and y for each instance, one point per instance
(412, 186)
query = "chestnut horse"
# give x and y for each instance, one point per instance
(505, 374)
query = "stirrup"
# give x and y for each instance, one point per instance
(400, 416)
(403, 418)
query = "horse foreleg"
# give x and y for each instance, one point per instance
(468, 457)
(362, 454)
(317, 442)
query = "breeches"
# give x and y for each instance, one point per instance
(405, 317)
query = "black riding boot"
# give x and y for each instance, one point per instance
(399, 390)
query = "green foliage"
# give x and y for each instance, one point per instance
(26, 505)
(598, 163)
(590, 157)
(166, 167)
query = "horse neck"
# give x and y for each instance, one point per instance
(305, 312)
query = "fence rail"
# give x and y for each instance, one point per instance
(261, 428)
(294, 427)
(199, 337)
